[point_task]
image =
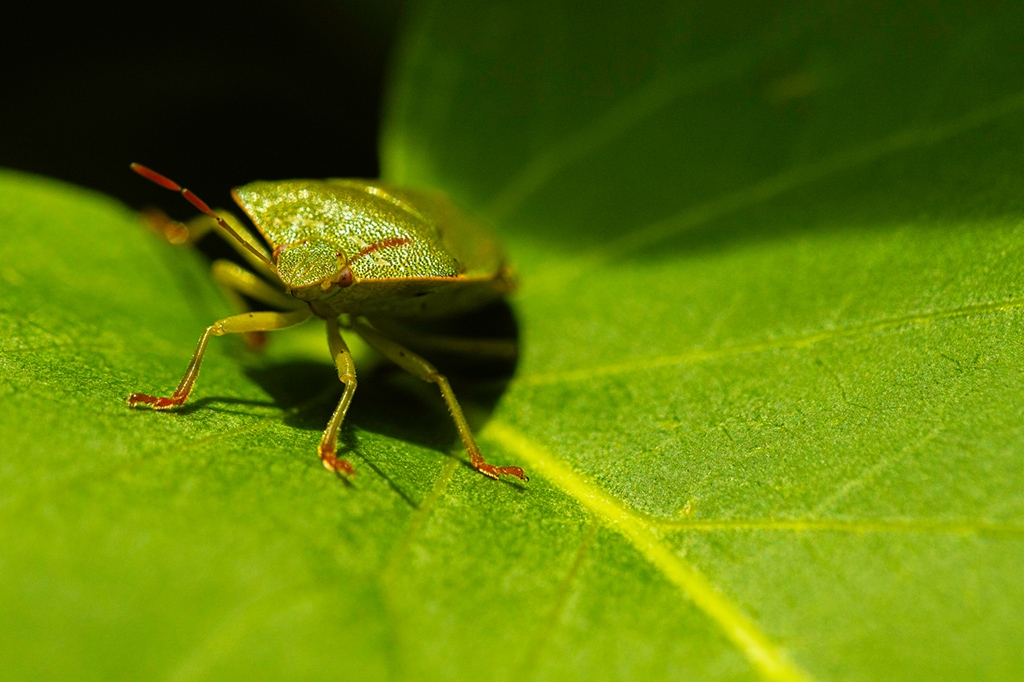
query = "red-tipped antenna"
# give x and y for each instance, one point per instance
(153, 176)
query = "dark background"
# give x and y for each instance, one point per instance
(210, 94)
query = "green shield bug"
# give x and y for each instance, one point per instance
(364, 256)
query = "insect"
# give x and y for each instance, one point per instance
(364, 256)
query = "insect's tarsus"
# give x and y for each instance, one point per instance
(167, 183)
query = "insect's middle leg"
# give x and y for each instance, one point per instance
(347, 373)
(246, 322)
(422, 369)
(236, 280)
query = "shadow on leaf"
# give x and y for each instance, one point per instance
(393, 402)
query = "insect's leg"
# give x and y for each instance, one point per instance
(422, 369)
(167, 227)
(235, 280)
(486, 348)
(246, 322)
(347, 373)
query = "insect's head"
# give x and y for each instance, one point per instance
(312, 268)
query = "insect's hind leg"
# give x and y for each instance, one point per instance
(491, 349)
(422, 369)
(347, 374)
(246, 322)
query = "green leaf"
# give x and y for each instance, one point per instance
(768, 392)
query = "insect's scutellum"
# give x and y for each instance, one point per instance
(429, 261)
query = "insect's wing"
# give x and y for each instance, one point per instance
(316, 226)
(413, 254)
(473, 246)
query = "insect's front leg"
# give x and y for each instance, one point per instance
(419, 367)
(246, 322)
(347, 373)
(235, 281)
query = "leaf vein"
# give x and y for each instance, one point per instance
(624, 116)
(392, 569)
(765, 655)
(776, 185)
(560, 601)
(800, 341)
(924, 527)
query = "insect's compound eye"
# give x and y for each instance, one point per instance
(346, 277)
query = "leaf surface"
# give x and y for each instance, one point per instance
(768, 392)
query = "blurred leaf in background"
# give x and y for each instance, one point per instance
(211, 92)
(769, 385)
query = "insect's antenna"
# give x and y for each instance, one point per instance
(153, 176)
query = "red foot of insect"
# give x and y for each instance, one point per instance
(153, 402)
(496, 472)
(339, 466)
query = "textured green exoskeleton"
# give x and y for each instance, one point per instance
(361, 255)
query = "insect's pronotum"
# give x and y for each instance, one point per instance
(357, 254)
